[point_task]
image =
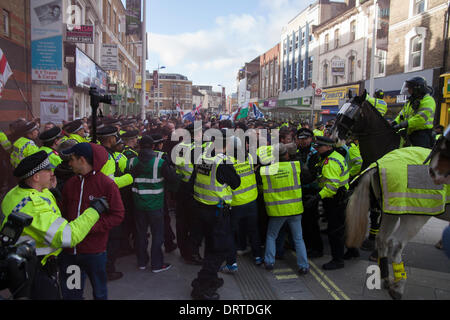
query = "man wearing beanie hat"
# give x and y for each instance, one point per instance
(49, 229)
(25, 145)
(50, 140)
(151, 175)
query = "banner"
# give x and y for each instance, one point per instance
(109, 57)
(133, 18)
(46, 41)
(5, 71)
(53, 106)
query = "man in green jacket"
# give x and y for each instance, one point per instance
(150, 173)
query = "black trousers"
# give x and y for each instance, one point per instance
(169, 235)
(113, 247)
(189, 235)
(311, 227)
(217, 230)
(335, 214)
(46, 282)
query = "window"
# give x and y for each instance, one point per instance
(290, 45)
(294, 74)
(296, 42)
(310, 71)
(303, 38)
(108, 13)
(418, 6)
(335, 79)
(327, 47)
(325, 74)
(113, 26)
(351, 69)
(336, 38)
(6, 23)
(311, 38)
(381, 65)
(352, 31)
(301, 74)
(416, 52)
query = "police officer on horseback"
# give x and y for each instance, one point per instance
(417, 115)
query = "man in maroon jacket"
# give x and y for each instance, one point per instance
(86, 160)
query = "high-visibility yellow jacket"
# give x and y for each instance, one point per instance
(334, 175)
(22, 148)
(282, 188)
(379, 104)
(53, 156)
(355, 160)
(48, 229)
(420, 119)
(247, 191)
(4, 142)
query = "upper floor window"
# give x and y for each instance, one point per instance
(327, 43)
(336, 38)
(416, 52)
(352, 30)
(6, 30)
(418, 6)
(325, 74)
(351, 69)
(381, 65)
(415, 49)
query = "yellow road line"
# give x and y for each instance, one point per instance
(324, 285)
(329, 281)
(288, 276)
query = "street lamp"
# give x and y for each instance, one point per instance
(157, 100)
(221, 98)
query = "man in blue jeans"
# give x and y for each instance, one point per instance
(283, 201)
(86, 160)
(151, 173)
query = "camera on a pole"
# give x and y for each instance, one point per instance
(96, 99)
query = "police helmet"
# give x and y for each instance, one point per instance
(418, 85)
(379, 94)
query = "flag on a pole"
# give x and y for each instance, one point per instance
(242, 113)
(5, 71)
(179, 110)
(258, 114)
(197, 110)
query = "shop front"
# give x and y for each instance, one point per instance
(334, 98)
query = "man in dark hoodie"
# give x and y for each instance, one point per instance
(87, 159)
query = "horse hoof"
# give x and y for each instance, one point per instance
(395, 295)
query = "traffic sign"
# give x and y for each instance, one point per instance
(318, 92)
(313, 85)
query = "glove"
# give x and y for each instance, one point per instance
(311, 201)
(364, 95)
(100, 205)
(401, 125)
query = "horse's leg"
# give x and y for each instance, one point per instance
(388, 223)
(408, 228)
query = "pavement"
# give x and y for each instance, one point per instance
(428, 271)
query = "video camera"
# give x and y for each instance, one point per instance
(16, 260)
(96, 99)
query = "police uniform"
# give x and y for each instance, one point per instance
(378, 104)
(48, 137)
(333, 183)
(24, 147)
(71, 130)
(213, 183)
(48, 229)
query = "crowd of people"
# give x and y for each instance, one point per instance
(95, 201)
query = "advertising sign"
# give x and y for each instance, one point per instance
(88, 73)
(109, 59)
(46, 41)
(80, 34)
(133, 18)
(53, 106)
(336, 96)
(338, 67)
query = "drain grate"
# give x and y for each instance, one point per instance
(251, 281)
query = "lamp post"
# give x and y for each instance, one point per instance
(157, 100)
(221, 97)
(143, 60)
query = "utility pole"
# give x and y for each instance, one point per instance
(374, 47)
(143, 61)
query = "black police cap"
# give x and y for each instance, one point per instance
(32, 164)
(304, 133)
(73, 126)
(324, 141)
(51, 134)
(157, 138)
(107, 131)
(146, 141)
(130, 134)
(27, 127)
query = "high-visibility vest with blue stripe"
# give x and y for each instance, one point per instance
(22, 148)
(247, 191)
(183, 164)
(53, 157)
(4, 142)
(334, 175)
(406, 187)
(419, 119)
(148, 186)
(355, 160)
(282, 188)
(49, 229)
(207, 189)
(379, 104)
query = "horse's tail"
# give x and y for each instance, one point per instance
(357, 214)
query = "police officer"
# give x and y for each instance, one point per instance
(48, 229)
(377, 101)
(51, 139)
(75, 130)
(333, 181)
(318, 132)
(25, 145)
(214, 180)
(417, 115)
